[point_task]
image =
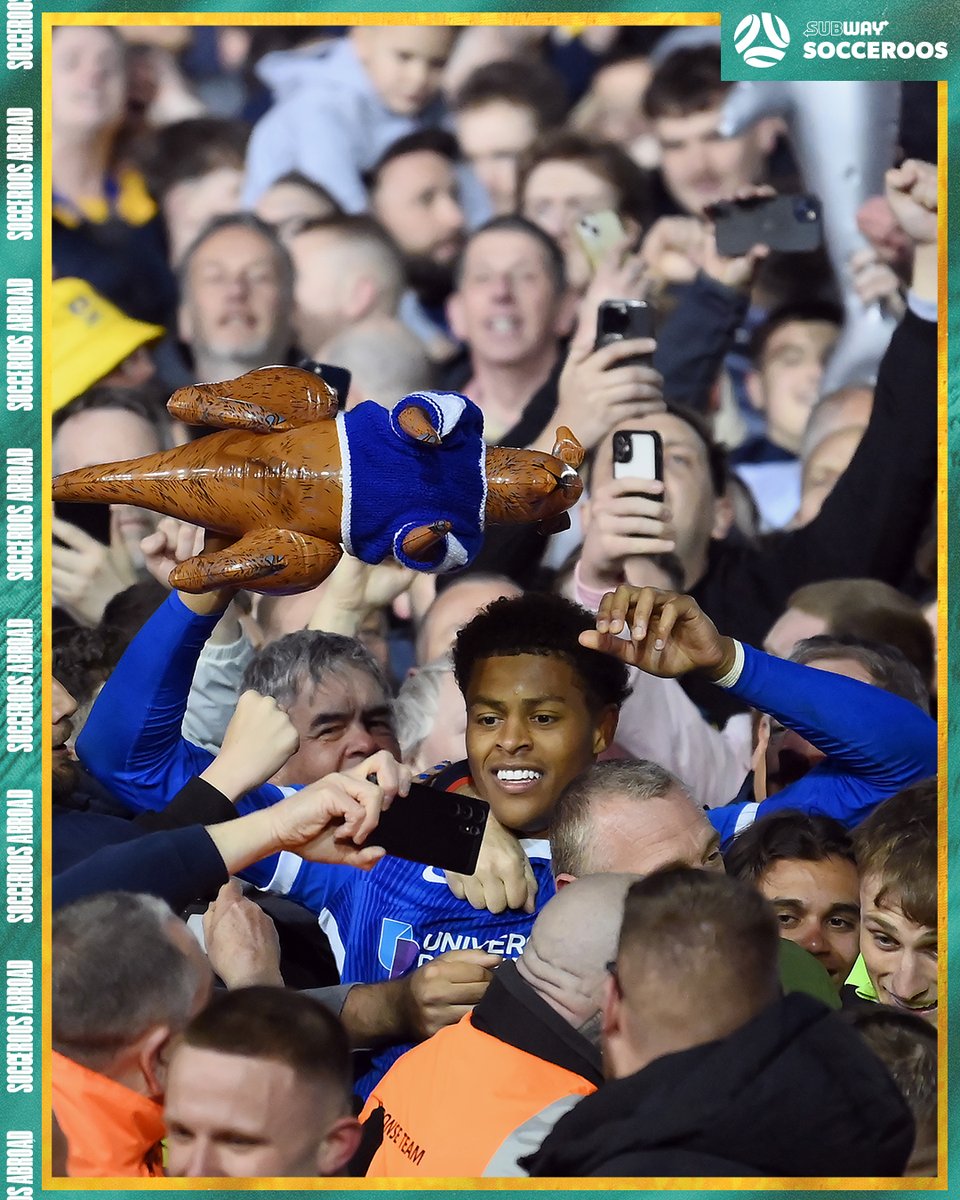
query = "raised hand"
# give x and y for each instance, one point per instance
(256, 744)
(356, 589)
(331, 820)
(670, 635)
(171, 543)
(736, 272)
(241, 941)
(912, 194)
(673, 249)
(628, 519)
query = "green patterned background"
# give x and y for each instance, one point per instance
(915, 22)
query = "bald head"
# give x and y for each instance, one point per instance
(347, 269)
(454, 607)
(846, 407)
(385, 359)
(572, 940)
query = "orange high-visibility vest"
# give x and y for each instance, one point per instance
(450, 1102)
(110, 1130)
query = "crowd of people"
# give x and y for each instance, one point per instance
(701, 936)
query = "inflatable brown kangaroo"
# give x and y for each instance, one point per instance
(294, 483)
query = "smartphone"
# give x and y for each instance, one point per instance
(788, 224)
(637, 454)
(621, 320)
(597, 233)
(433, 827)
(338, 378)
(91, 518)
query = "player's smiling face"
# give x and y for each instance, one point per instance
(530, 732)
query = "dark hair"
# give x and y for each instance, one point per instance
(786, 314)
(544, 624)
(528, 83)
(192, 148)
(889, 668)
(513, 223)
(606, 159)
(436, 141)
(783, 836)
(127, 611)
(898, 844)
(147, 401)
(687, 81)
(281, 1025)
(83, 658)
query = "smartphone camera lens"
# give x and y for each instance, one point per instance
(621, 448)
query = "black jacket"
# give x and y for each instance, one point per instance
(512, 1012)
(793, 1093)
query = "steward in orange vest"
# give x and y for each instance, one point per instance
(450, 1102)
(110, 1129)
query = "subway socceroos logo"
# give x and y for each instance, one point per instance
(876, 47)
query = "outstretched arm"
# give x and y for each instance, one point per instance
(132, 742)
(328, 822)
(875, 742)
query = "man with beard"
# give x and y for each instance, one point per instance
(415, 195)
(236, 300)
(86, 817)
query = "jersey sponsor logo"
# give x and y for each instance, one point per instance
(432, 875)
(510, 945)
(397, 951)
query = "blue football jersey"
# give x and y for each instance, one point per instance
(386, 922)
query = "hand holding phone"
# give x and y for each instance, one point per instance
(623, 321)
(598, 233)
(638, 454)
(788, 224)
(433, 827)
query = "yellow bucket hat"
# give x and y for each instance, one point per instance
(89, 338)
